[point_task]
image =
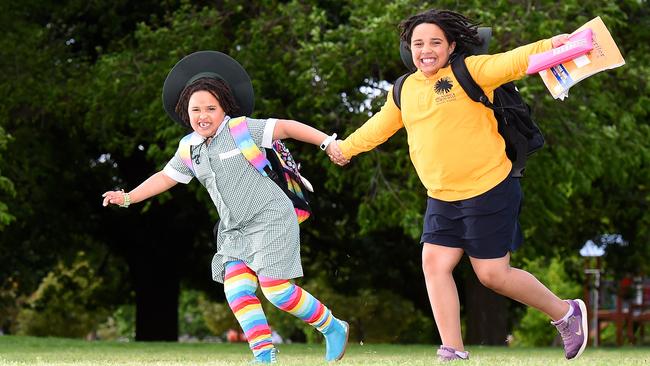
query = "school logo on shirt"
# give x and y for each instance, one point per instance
(443, 86)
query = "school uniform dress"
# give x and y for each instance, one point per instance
(457, 152)
(258, 224)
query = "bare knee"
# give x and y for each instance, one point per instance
(493, 273)
(492, 278)
(439, 260)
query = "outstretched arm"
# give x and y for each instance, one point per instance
(299, 131)
(154, 185)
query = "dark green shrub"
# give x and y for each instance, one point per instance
(65, 303)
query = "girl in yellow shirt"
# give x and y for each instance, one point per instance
(473, 203)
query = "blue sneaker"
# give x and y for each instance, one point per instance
(266, 356)
(336, 340)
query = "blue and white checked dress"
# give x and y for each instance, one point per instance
(258, 223)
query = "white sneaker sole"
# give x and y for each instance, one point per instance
(585, 328)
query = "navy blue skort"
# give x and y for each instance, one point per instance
(485, 226)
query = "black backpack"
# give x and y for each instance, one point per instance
(521, 134)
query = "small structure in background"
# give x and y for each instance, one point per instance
(623, 300)
(640, 309)
(593, 252)
(593, 268)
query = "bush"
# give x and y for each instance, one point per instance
(217, 316)
(10, 303)
(120, 325)
(194, 312)
(64, 305)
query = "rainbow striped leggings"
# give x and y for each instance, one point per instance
(240, 284)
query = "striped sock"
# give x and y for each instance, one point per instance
(294, 300)
(239, 285)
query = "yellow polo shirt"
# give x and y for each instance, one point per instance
(453, 141)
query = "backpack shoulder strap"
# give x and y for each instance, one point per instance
(242, 136)
(185, 152)
(473, 90)
(397, 89)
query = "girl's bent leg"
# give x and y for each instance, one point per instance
(438, 263)
(570, 316)
(240, 284)
(519, 285)
(294, 300)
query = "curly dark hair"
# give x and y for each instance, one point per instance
(217, 87)
(456, 27)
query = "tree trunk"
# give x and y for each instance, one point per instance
(155, 254)
(156, 297)
(486, 313)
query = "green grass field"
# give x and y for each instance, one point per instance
(56, 351)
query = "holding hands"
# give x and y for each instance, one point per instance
(336, 156)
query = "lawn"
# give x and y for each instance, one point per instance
(56, 351)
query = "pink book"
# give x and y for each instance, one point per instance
(579, 44)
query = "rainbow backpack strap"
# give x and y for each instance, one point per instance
(245, 143)
(278, 165)
(185, 152)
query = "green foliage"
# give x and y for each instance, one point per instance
(193, 311)
(10, 303)
(118, 326)
(6, 185)
(217, 316)
(65, 304)
(534, 328)
(608, 335)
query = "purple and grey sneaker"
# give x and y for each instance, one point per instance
(574, 330)
(449, 354)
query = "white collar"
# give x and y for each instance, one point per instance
(196, 139)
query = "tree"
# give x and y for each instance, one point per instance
(55, 165)
(93, 121)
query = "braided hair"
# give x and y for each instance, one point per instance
(217, 87)
(456, 27)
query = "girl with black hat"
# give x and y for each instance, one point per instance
(258, 238)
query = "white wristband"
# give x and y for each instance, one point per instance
(327, 142)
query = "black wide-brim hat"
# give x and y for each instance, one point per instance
(208, 64)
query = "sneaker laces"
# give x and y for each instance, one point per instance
(565, 329)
